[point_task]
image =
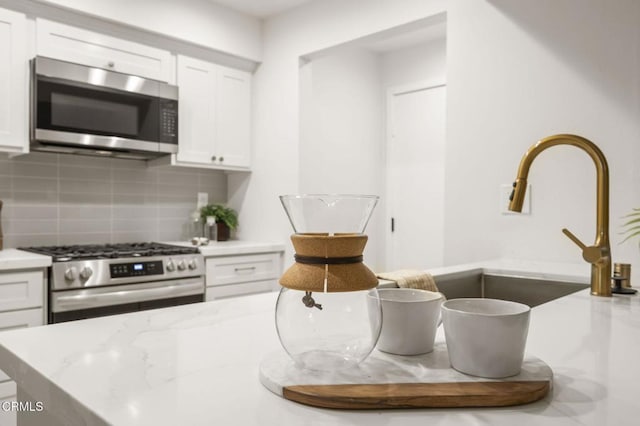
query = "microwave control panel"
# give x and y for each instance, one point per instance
(168, 120)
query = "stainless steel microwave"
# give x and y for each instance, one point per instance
(84, 110)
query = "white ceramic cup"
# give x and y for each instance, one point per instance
(410, 318)
(486, 337)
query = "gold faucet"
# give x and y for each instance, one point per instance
(599, 254)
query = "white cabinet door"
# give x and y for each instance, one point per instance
(234, 117)
(11, 321)
(81, 46)
(196, 110)
(21, 289)
(240, 289)
(242, 268)
(14, 71)
(242, 274)
(19, 319)
(214, 116)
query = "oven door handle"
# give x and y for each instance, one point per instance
(117, 295)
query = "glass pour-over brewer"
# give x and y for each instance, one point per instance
(328, 313)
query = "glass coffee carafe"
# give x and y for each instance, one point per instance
(325, 316)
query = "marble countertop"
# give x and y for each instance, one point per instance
(234, 247)
(199, 365)
(11, 259)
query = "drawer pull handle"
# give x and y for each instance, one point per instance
(247, 269)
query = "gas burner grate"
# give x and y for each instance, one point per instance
(110, 251)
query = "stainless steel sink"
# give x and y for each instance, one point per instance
(530, 291)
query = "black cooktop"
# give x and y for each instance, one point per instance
(109, 251)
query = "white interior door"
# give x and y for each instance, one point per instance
(415, 177)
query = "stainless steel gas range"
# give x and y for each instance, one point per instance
(87, 281)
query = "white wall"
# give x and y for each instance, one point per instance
(340, 145)
(422, 62)
(341, 133)
(286, 37)
(196, 21)
(520, 71)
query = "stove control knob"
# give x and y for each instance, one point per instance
(193, 264)
(71, 273)
(171, 266)
(182, 266)
(86, 273)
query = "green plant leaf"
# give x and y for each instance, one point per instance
(222, 214)
(631, 222)
(631, 227)
(636, 233)
(631, 230)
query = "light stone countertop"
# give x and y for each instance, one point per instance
(199, 365)
(11, 259)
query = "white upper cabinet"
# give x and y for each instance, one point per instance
(196, 110)
(233, 111)
(214, 116)
(14, 89)
(71, 44)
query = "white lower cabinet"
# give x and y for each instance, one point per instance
(7, 390)
(21, 290)
(240, 289)
(8, 417)
(242, 274)
(11, 321)
(21, 306)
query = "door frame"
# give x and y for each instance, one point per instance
(389, 125)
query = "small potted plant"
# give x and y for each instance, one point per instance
(226, 219)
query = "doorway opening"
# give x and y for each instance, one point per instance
(344, 127)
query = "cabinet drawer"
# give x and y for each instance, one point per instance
(7, 391)
(19, 319)
(19, 290)
(220, 291)
(81, 46)
(239, 269)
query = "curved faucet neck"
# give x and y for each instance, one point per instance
(602, 175)
(599, 255)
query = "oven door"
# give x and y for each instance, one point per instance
(94, 302)
(84, 107)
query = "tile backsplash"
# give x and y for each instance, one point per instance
(56, 199)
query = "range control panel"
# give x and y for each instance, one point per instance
(103, 272)
(135, 269)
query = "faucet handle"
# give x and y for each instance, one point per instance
(573, 238)
(591, 254)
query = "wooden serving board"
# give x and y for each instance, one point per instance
(391, 381)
